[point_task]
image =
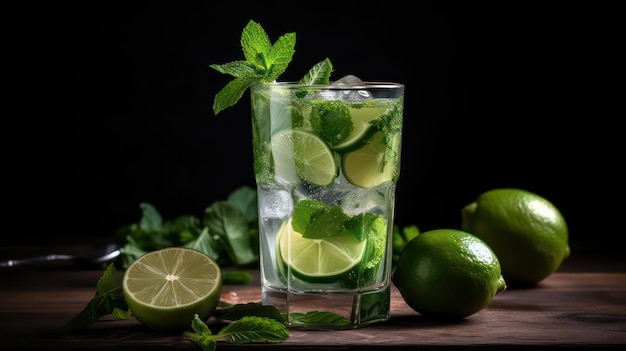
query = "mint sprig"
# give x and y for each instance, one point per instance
(264, 64)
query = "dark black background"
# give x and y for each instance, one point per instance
(109, 105)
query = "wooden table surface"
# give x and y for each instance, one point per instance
(582, 305)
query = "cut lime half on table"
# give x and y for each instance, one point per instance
(164, 289)
(300, 154)
(368, 166)
(318, 260)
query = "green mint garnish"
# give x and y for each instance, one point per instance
(319, 74)
(315, 220)
(264, 63)
(330, 119)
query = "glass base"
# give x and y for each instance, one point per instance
(348, 310)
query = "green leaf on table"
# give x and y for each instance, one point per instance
(205, 244)
(254, 329)
(238, 311)
(109, 299)
(229, 225)
(249, 329)
(245, 199)
(318, 319)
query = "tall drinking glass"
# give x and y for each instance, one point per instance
(326, 162)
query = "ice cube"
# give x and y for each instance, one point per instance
(348, 80)
(353, 95)
(274, 201)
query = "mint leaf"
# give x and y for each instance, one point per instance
(238, 311)
(201, 335)
(253, 329)
(245, 199)
(109, 299)
(319, 74)
(205, 244)
(231, 93)
(241, 69)
(280, 56)
(256, 45)
(249, 329)
(315, 220)
(331, 121)
(229, 227)
(264, 63)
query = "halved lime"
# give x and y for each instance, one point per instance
(362, 128)
(302, 155)
(318, 260)
(367, 166)
(164, 289)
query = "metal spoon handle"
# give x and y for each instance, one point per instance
(30, 260)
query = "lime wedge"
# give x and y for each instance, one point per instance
(318, 260)
(367, 166)
(362, 128)
(164, 289)
(302, 155)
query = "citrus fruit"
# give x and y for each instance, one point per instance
(362, 128)
(318, 260)
(526, 231)
(448, 274)
(302, 154)
(164, 289)
(367, 166)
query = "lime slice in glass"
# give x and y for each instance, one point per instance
(318, 260)
(367, 166)
(362, 128)
(164, 289)
(302, 155)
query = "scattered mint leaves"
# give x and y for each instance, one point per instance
(264, 64)
(109, 300)
(227, 232)
(238, 311)
(248, 329)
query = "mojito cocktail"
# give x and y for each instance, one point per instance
(326, 162)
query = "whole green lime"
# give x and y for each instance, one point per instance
(448, 274)
(527, 232)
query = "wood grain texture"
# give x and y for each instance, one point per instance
(569, 309)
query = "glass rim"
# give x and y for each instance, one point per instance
(364, 85)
